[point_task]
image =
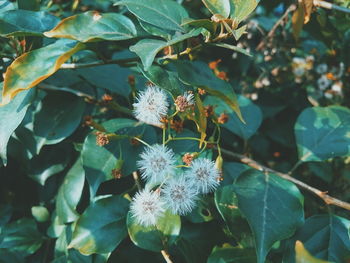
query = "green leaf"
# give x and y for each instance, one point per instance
(199, 74)
(11, 116)
(59, 116)
(33, 67)
(40, 213)
(232, 171)
(93, 26)
(147, 49)
(325, 237)
(155, 238)
(241, 9)
(228, 254)
(69, 194)
(218, 7)
(251, 114)
(165, 14)
(26, 23)
(5, 214)
(272, 206)
(99, 161)
(101, 227)
(234, 48)
(29, 4)
(323, 133)
(227, 204)
(49, 162)
(203, 212)
(164, 79)
(303, 256)
(21, 236)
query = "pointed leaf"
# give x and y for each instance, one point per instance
(147, 49)
(33, 67)
(101, 227)
(93, 26)
(303, 256)
(323, 133)
(241, 9)
(11, 116)
(325, 237)
(155, 238)
(26, 23)
(272, 206)
(221, 7)
(165, 14)
(69, 194)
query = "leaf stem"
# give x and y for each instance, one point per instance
(329, 200)
(166, 256)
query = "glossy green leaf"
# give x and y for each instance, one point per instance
(303, 256)
(218, 7)
(5, 214)
(94, 26)
(21, 236)
(165, 14)
(250, 112)
(6, 5)
(203, 212)
(69, 193)
(101, 227)
(323, 133)
(26, 23)
(199, 74)
(11, 116)
(228, 254)
(59, 116)
(164, 79)
(272, 206)
(241, 9)
(155, 238)
(99, 161)
(33, 67)
(40, 213)
(325, 237)
(147, 49)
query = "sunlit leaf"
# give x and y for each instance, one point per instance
(33, 67)
(92, 26)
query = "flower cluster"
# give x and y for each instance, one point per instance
(178, 189)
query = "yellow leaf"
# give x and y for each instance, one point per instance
(303, 256)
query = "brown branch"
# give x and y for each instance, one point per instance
(261, 45)
(122, 62)
(331, 6)
(166, 256)
(329, 200)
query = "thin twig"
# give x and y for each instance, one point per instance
(331, 6)
(166, 256)
(99, 63)
(329, 200)
(291, 8)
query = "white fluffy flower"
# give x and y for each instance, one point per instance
(179, 195)
(204, 175)
(157, 162)
(323, 82)
(147, 207)
(151, 105)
